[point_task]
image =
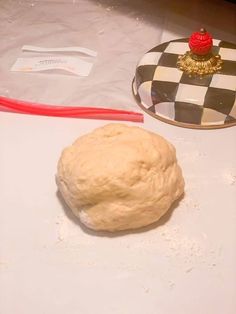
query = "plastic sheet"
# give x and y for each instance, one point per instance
(120, 31)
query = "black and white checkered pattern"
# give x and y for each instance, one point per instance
(165, 91)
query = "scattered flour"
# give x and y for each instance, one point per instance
(62, 230)
(189, 252)
(230, 177)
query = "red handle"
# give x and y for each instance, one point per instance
(76, 112)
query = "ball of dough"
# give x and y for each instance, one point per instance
(119, 177)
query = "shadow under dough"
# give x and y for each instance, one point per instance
(68, 212)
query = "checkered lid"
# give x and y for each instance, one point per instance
(171, 95)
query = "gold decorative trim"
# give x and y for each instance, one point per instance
(199, 65)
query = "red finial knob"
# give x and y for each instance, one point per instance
(200, 42)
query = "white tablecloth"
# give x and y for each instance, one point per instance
(48, 263)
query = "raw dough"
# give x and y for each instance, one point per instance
(119, 177)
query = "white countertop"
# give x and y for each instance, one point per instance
(50, 264)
